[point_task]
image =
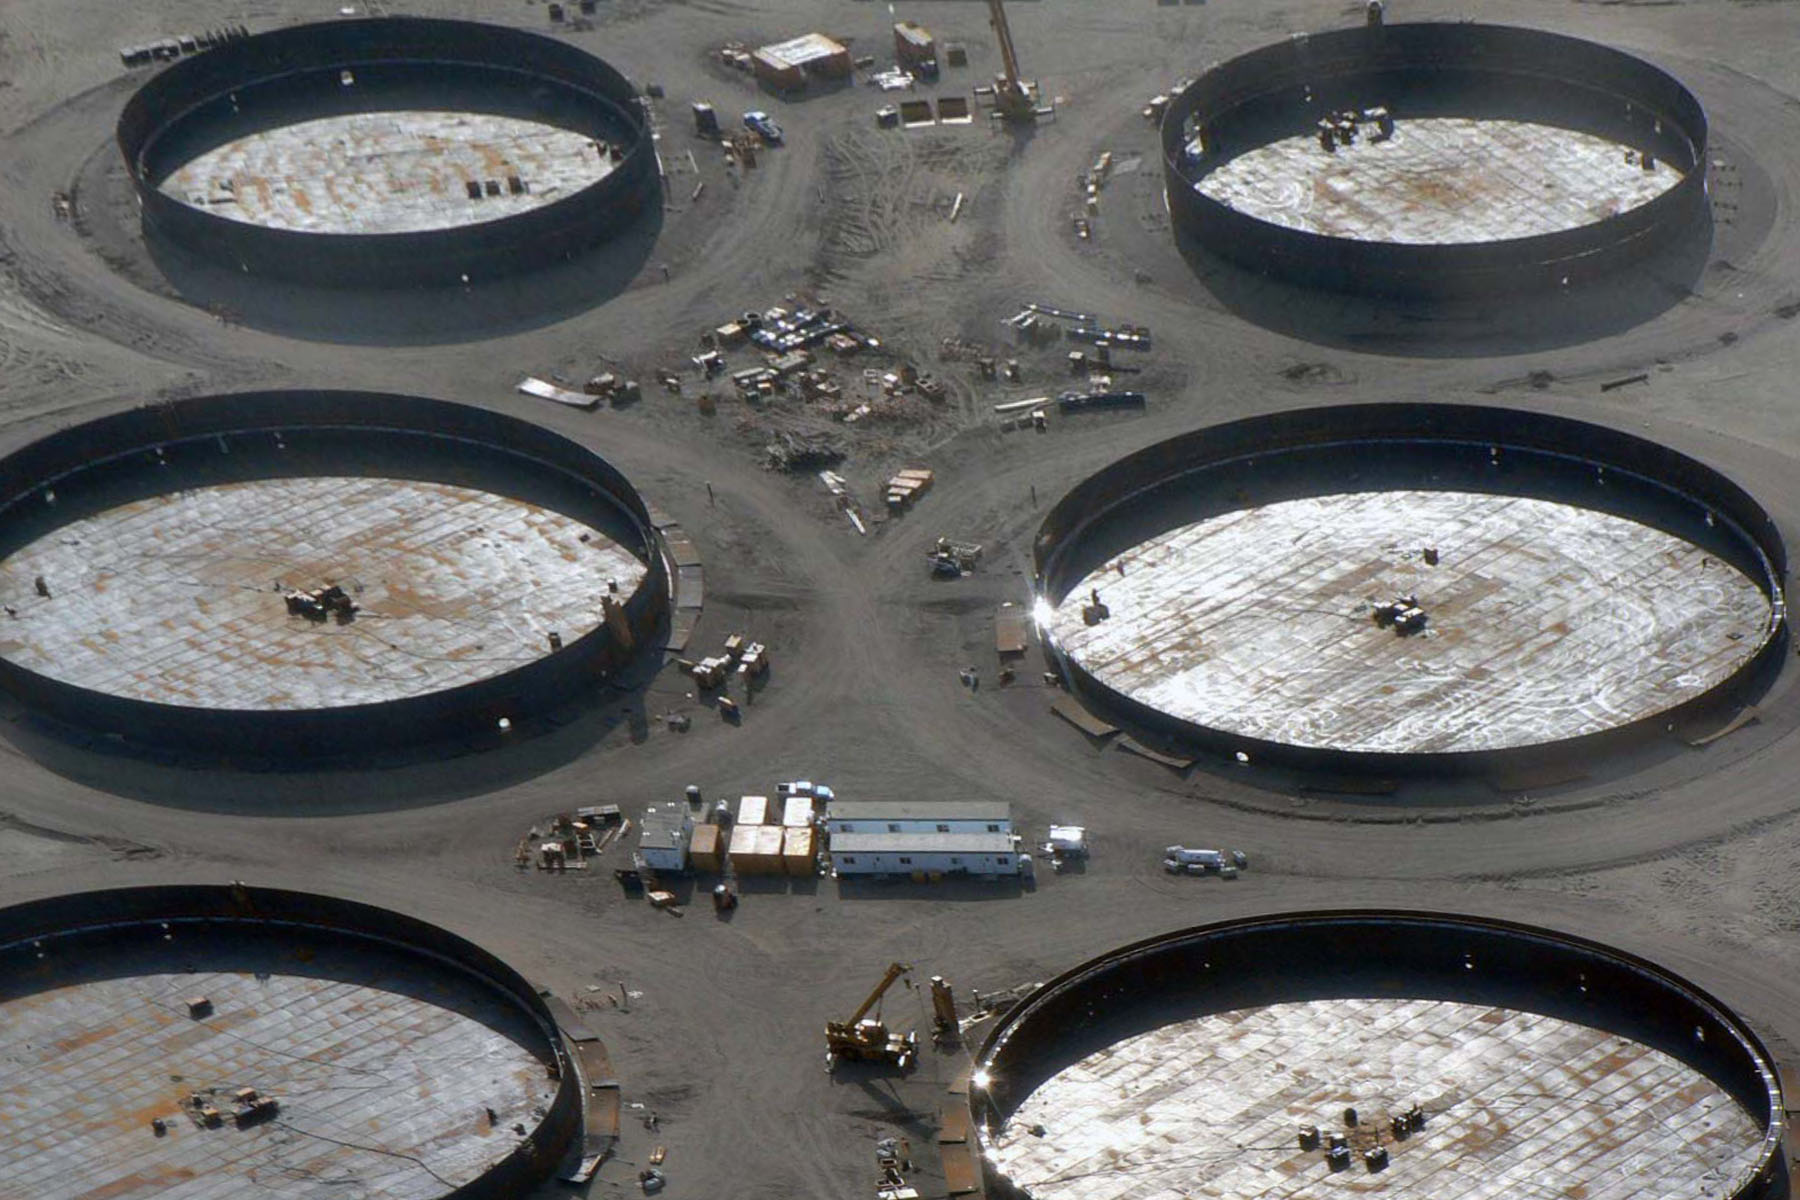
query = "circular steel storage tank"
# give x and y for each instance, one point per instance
(189, 1040)
(1444, 1054)
(302, 575)
(389, 152)
(1422, 160)
(1410, 589)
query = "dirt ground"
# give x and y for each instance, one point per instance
(1687, 856)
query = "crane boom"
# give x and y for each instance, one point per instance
(894, 971)
(859, 1040)
(1014, 99)
(1009, 58)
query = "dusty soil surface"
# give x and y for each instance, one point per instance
(1677, 853)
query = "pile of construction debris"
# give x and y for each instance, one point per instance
(998, 1003)
(736, 55)
(201, 1107)
(171, 48)
(1037, 324)
(840, 492)
(1093, 180)
(1345, 127)
(615, 391)
(906, 487)
(892, 1156)
(569, 840)
(799, 352)
(747, 660)
(802, 450)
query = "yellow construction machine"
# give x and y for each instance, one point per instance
(1013, 98)
(863, 1038)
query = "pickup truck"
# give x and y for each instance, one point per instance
(759, 123)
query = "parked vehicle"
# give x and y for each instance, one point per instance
(1066, 844)
(805, 787)
(1187, 860)
(760, 123)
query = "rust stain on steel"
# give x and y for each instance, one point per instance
(86, 1037)
(453, 585)
(1546, 621)
(388, 172)
(1440, 180)
(1510, 1098)
(149, 1182)
(383, 1056)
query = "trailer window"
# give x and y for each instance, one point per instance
(943, 829)
(1000, 860)
(848, 860)
(847, 827)
(993, 829)
(905, 861)
(892, 828)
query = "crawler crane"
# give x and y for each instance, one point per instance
(1013, 99)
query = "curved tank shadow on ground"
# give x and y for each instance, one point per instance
(1493, 326)
(404, 778)
(415, 316)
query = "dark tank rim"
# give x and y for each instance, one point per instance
(128, 449)
(1644, 479)
(289, 74)
(1472, 69)
(83, 922)
(1368, 952)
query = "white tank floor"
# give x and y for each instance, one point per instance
(388, 172)
(1439, 180)
(1546, 622)
(1517, 1105)
(382, 1064)
(179, 599)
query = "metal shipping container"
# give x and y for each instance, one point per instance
(798, 852)
(706, 848)
(756, 850)
(743, 849)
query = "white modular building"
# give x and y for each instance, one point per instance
(910, 853)
(917, 817)
(663, 838)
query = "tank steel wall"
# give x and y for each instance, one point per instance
(126, 445)
(1458, 68)
(1374, 953)
(1638, 475)
(141, 911)
(291, 74)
